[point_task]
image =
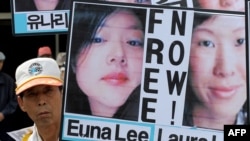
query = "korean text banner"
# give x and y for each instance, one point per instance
(40, 17)
(153, 73)
(52, 16)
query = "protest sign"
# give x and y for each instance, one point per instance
(153, 73)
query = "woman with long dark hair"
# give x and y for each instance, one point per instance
(216, 92)
(106, 51)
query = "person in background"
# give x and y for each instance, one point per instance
(39, 94)
(8, 102)
(217, 89)
(106, 53)
(61, 60)
(44, 51)
(228, 5)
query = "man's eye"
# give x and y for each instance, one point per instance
(135, 43)
(48, 90)
(30, 94)
(240, 42)
(206, 43)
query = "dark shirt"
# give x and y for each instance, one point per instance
(8, 105)
(8, 102)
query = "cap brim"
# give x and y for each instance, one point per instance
(38, 81)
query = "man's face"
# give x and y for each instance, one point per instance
(42, 103)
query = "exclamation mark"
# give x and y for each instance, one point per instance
(173, 111)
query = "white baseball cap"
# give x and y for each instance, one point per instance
(2, 56)
(37, 71)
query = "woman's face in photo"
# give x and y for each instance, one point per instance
(218, 63)
(110, 68)
(46, 4)
(231, 5)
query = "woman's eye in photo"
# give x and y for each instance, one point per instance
(240, 42)
(142, 1)
(135, 43)
(97, 40)
(206, 43)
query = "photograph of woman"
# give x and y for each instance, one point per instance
(106, 54)
(216, 93)
(39, 5)
(227, 5)
(67, 3)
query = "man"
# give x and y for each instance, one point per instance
(39, 94)
(44, 51)
(8, 101)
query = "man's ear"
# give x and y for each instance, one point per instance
(20, 103)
